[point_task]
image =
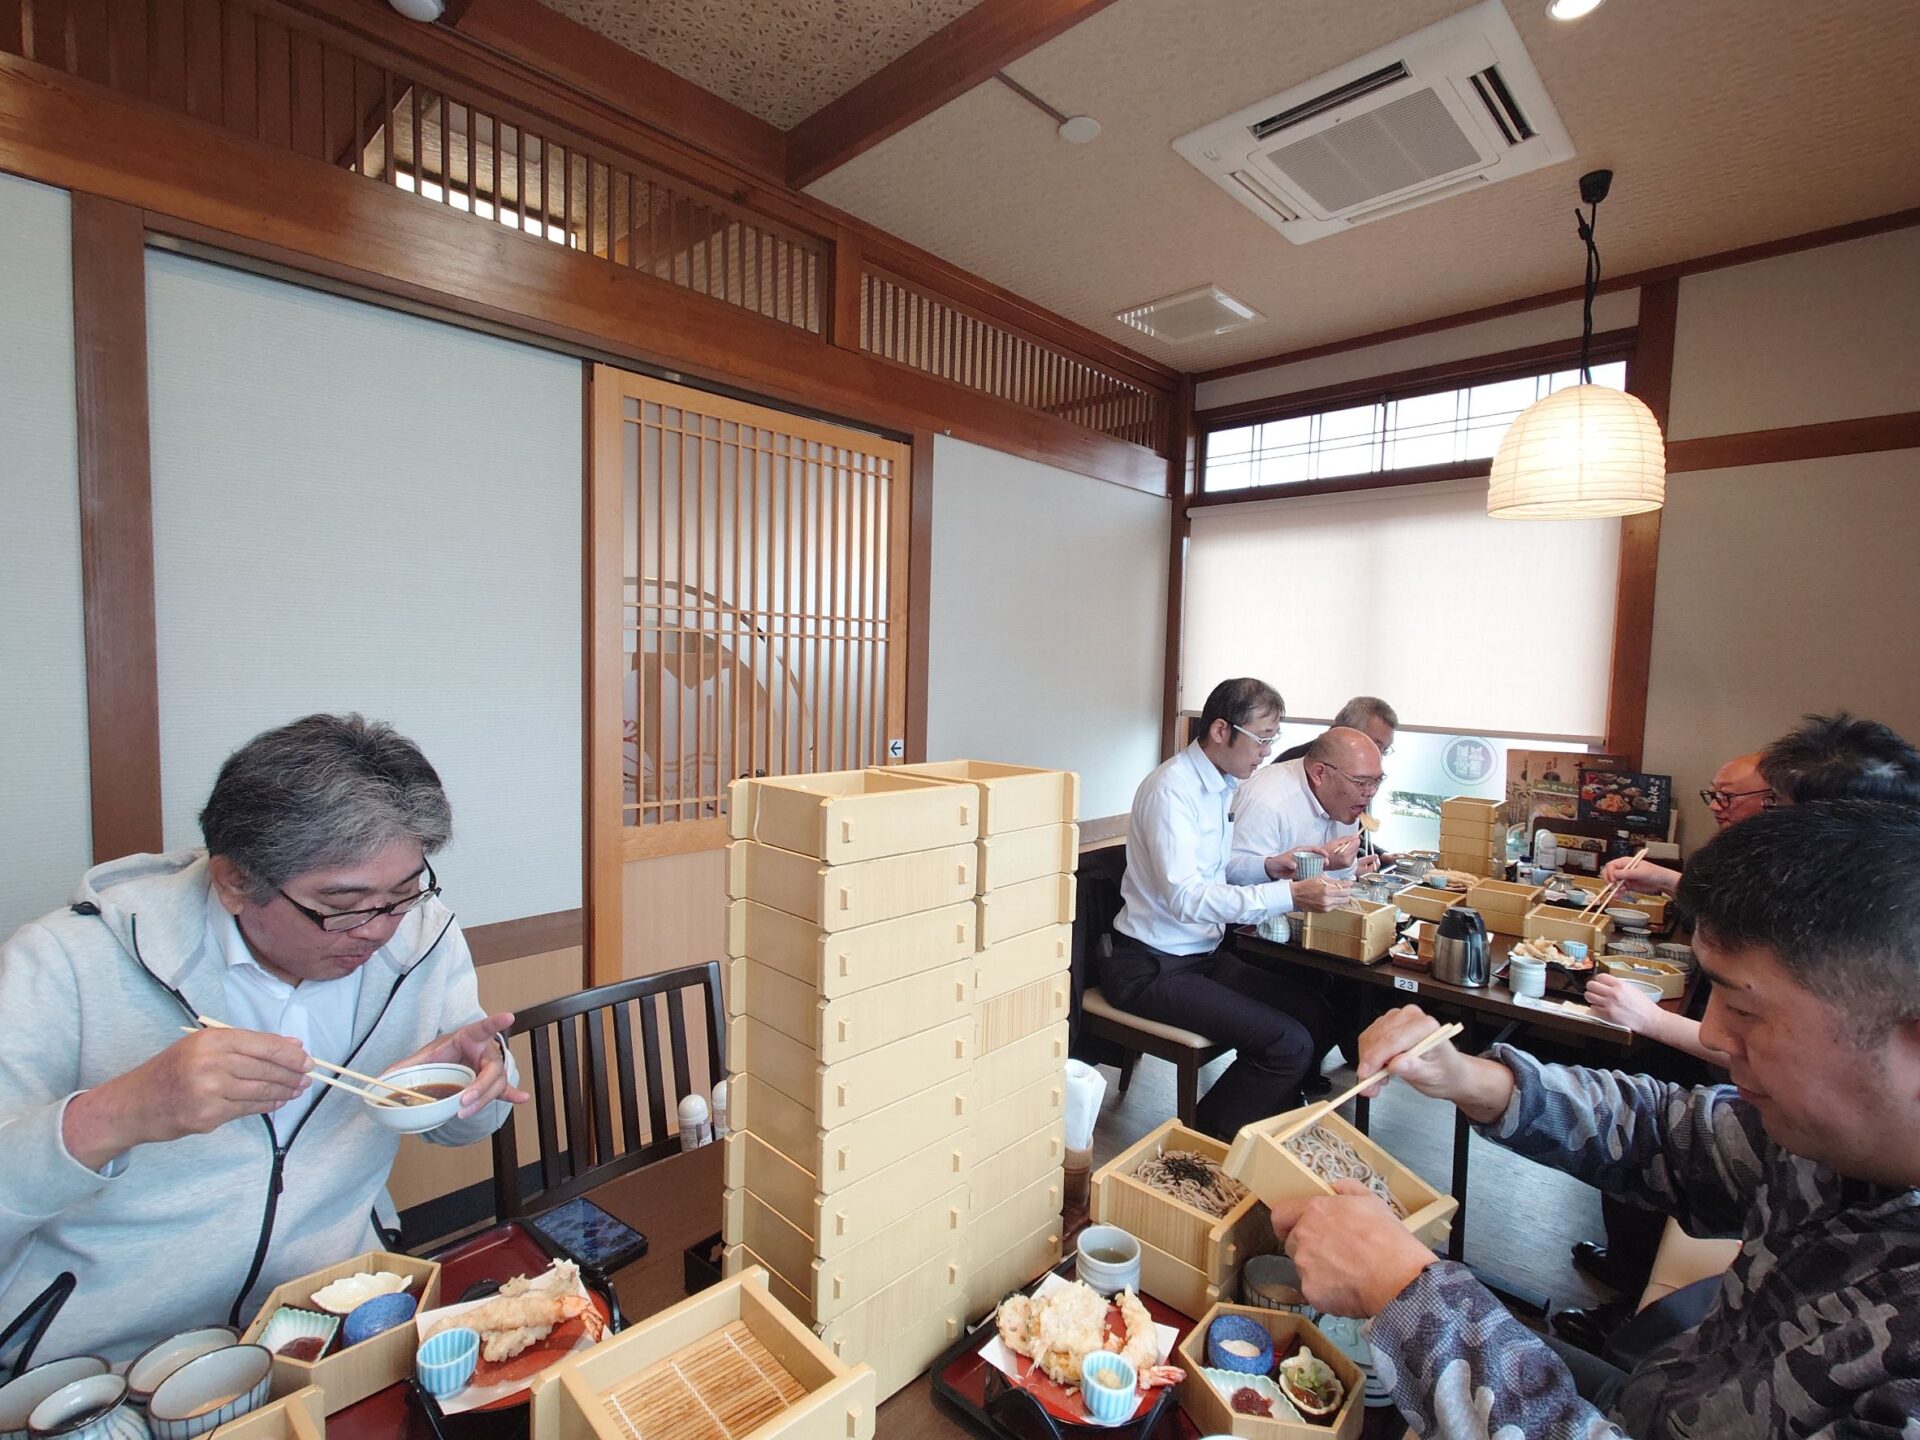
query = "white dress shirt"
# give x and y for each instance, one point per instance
(317, 1013)
(1277, 811)
(1181, 889)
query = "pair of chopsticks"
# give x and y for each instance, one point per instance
(1605, 897)
(385, 1098)
(1327, 1107)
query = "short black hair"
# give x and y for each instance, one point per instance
(1238, 701)
(1837, 757)
(1832, 888)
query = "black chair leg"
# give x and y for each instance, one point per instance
(1127, 1062)
(1188, 1072)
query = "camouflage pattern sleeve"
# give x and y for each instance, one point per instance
(1460, 1366)
(1697, 1155)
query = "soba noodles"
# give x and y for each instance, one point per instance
(1193, 1180)
(1332, 1158)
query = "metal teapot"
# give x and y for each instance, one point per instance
(1461, 954)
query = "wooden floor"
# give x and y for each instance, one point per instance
(1523, 1219)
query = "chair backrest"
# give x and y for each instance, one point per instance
(583, 1142)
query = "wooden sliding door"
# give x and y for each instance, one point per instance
(748, 589)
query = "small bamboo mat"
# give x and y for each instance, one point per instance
(724, 1385)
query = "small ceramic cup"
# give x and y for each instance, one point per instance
(1574, 949)
(1309, 864)
(1232, 1333)
(1527, 977)
(1107, 1259)
(96, 1408)
(1107, 1387)
(375, 1316)
(207, 1392)
(19, 1396)
(161, 1359)
(446, 1362)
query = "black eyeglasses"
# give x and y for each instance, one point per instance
(354, 919)
(1720, 799)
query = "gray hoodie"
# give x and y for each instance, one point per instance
(194, 1231)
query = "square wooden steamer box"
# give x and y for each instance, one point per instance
(843, 816)
(1012, 797)
(837, 1222)
(842, 897)
(849, 1025)
(1563, 922)
(998, 1125)
(998, 1022)
(1258, 1161)
(1482, 865)
(1424, 902)
(1361, 931)
(1042, 1152)
(834, 1284)
(1014, 856)
(1215, 1247)
(991, 1278)
(1021, 961)
(1503, 904)
(570, 1400)
(858, 1085)
(1475, 837)
(300, 1415)
(1181, 1286)
(1212, 1415)
(1012, 1068)
(849, 1153)
(348, 1376)
(904, 1358)
(936, 1284)
(1029, 905)
(1468, 809)
(839, 962)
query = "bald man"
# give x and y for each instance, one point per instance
(1317, 799)
(1738, 792)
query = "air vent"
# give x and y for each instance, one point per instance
(1190, 315)
(1452, 108)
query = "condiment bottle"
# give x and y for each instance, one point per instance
(696, 1129)
(720, 1125)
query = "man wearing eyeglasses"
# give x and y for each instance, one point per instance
(1738, 792)
(1313, 802)
(1183, 887)
(212, 1160)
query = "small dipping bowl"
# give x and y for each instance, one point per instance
(446, 1362)
(159, 1360)
(1574, 949)
(95, 1408)
(1645, 987)
(1107, 1387)
(407, 1118)
(1527, 977)
(1628, 918)
(1107, 1259)
(210, 1390)
(1240, 1330)
(376, 1316)
(19, 1397)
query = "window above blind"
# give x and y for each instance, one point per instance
(1411, 593)
(1382, 433)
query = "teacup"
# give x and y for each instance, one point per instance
(1107, 1259)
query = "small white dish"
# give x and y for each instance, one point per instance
(20, 1396)
(289, 1324)
(350, 1292)
(409, 1118)
(1227, 1381)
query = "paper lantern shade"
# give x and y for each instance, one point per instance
(1581, 453)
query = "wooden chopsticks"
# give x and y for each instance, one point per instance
(1605, 897)
(1327, 1107)
(380, 1099)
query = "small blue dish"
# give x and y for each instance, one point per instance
(445, 1363)
(1107, 1387)
(375, 1316)
(1239, 1328)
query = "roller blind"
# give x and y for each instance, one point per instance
(1461, 622)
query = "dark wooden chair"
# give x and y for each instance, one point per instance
(1135, 1035)
(583, 1143)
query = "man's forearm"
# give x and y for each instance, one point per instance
(1482, 1089)
(96, 1127)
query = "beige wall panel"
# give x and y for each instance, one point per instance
(1827, 334)
(1783, 589)
(422, 1171)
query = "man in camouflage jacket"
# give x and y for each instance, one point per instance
(1808, 923)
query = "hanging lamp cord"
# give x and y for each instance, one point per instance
(1585, 223)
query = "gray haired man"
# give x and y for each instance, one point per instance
(179, 1176)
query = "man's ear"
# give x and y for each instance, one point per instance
(229, 883)
(1220, 732)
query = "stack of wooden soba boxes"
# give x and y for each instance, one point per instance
(1029, 848)
(854, 924)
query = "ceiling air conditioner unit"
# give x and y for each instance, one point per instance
(1451, 108)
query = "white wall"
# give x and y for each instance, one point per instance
(46, 833)
(356, 509)
(1047, 621)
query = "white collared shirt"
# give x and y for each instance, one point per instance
(317, 1013)
(1182, 887)
(1277, 811)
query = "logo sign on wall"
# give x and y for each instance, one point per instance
(1467, 759)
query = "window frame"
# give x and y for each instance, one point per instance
(1533, 360)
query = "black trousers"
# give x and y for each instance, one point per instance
(1280, 1029)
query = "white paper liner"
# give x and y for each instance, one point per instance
(471, 1396)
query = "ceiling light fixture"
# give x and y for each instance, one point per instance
(1586, 451)
(426, 11)
(1572, 9)
(1074, 129)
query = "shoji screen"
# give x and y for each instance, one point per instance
(356, 509)
(46, 837)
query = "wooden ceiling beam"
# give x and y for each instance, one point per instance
(944, 66)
